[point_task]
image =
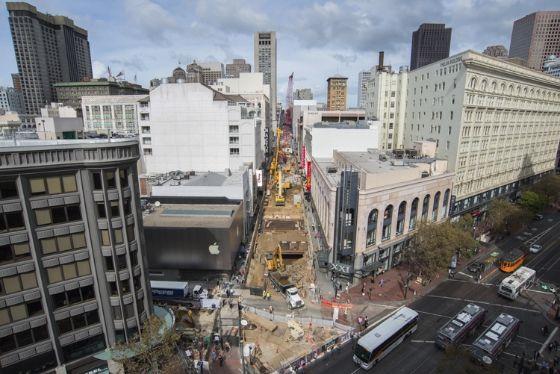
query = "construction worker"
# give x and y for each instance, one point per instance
(264, 294)
(268, 295)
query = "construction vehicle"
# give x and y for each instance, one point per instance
(280, 199)
(281, 282)
(274, 260)
(274, 162)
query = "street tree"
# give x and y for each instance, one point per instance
(153, 350)
(433, 245)
(548, 187)
(533, 201)
(504, 217)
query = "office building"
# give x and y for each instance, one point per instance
(498, 51)
(430, 43)
(204, 72)
(115, 114)
(496, 123)
(264, 61)
(369, 202)
(194, 127)
(72, 255)
(58, 121)
(337, 91)
(363, 78)
(49, 49)
(303, 94)
(11, 100)
(535, 37)
(16, 81)
(551, 66)
(239, 65)
(10, 123)
(71, 93)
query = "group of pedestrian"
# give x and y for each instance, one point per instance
(266, 295)
(363, 322)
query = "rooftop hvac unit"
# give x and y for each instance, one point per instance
(425, 174)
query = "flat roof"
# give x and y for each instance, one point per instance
(38, 143)
(191, 215)
(342, 125)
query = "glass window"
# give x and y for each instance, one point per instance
(87, 292)
(21, 249)
(78, 321)
(79, 240)
(14, 220)
(18, 312)
(48, 245)
(69, 271)
(40, 333)
(53, 185)
(140, 307)
(113, 288)
(129, 310)
(109, 263)
(64, 325)
(28, 280)
(7, 343)
(126, 205)
(117, 312)
(64, 243)
(59, 300)
(123, 173)
(83, 268)
(118, 236)
(74, 213)
(110, 179)
(58, 214)
(6, 254)
(101, 212)
(69, 183)
(37, 186)
(92, 317)
(105, 240)
(115, 211)
(34, 307)
(134, 258)
(130, 232)
(54, 274)
(125, 287)
(121, 262)
(8, 189)
(24, 338)
(74, 296)
(4, 317)
(11, 284)
(96, 176)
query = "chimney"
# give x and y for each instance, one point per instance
(381, 58)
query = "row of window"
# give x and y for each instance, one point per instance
(114, 209)
(53, 185)
(58, 214)
(128, 310)
(11, 221)
(110, 179)
(23, 338)
(20, 311)
(17, 283)
(124, 286)
(75, 296)
(121, 262)
(72, 270)
(118, 235)
(63, 243)
(14, 252)
(77, 322)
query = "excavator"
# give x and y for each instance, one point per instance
(274, 162)
(274, 260)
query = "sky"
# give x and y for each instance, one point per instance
(316, 39)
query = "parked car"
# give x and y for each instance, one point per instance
(535, 248)
(538, 217)
(476, 267)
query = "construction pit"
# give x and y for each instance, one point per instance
(273, 345)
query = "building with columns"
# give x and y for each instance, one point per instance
(369, 202)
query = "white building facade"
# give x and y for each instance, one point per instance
(363, 78)
(497, 124)
(386, 94)
(58, 121)
(193, 127)
(551, 66)
(112, 114)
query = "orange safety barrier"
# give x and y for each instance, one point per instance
(334, 304)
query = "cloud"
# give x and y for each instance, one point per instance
(345, 59)
(232, 16)
(99, 69)
(150, 20)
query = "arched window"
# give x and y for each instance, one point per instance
(413, 214)
(472, 85)
(371, 227)
(494, 86)
(483, 85)
(425, 207)
(400, 218)
(445, 203)
(387, 219)
(435, 209)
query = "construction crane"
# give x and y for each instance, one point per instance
(274, 162)
(280, 199)
(274, 260)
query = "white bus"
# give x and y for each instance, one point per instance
(384, 337)
(521, 279)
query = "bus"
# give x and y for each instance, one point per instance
(384, 337)
(520, 280)
(460, 326)
(488, 346)
(512, 261)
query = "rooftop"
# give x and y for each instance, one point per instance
(337, 76)
(100, 82)
(37, 143)
(342, 125)
(190, 215)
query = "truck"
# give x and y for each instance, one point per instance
(169, 289)
(282, 283)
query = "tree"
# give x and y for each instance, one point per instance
(548, 187)
(433, 245)
(153, 350)
(533, 201)
(504, 217)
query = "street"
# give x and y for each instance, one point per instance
(418, 354)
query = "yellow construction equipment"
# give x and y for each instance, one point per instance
(274, 162)
(274, 261)
(280, 199)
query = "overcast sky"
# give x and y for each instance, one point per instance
(316, 39)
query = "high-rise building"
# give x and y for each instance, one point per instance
(535, 37)
(430, 43)
(551, 66)
(496, 51)
(72, 278)
(11, 100)
(204, 72)
(239, 65)
(112, 114)
(337, 91)
(49, 49)
(16, 80)
(303, 94)
(363, 78)
(265, 62)
(497, 123)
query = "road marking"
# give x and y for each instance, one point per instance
(485, 302)
(547, 341)
(466, 275)
(423, 341)
(431, 314)
(464, 281)
(355, 371)
(543, 292)
(529, 340)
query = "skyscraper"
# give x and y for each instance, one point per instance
(49, 49)
(303, 94)
(430, 43)
(337, 91)
(535, 37)
(265, 62)
(363, 78)
(239, 65)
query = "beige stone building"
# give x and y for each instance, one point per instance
(337, 91)
(369, 202)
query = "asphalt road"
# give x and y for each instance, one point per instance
(418, 353)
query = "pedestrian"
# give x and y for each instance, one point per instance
(381, 282)
(268, 295)
(201, 366)
(221, 359)
(264, 294)
(227, 347)
(360, 321)
(363, 289)
(213, 355)
(347, 287)
(366, 322)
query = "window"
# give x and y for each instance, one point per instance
(14, 252)
(109, 263)
(18, 312)
(8, 190)
(78, 240)
(4, 317)
(14, 220)
(134, 258)
(74, 296)
(69, 271)
(63, 243)
(96, 177)
(34, 308)
(130, 232)
(126, 206)
(101, 212)
(121, 262)
(113, 288)
(64, 325)
(74, 213)
(118, 236)
(83, 268)
(110, 179)
(123, 175)
(117, 312)
(105, 240)
(69, 183)
(28, 280)
(234, 151)
(24, 338)
(125, 286)
(53, 185)
(115, 211)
